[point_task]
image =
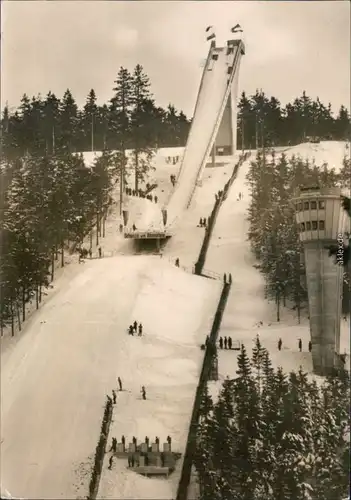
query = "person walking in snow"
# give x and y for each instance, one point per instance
(309, 346)
(119, 383)
(135, 326)
(110, 462)
(300, 345)
(221, 342)
(230, 343)
(177, 262)
(123, 440)
(280, 343)
(225, 342)
(114, 445)
(140, 330)
(131, 330)
(114, 396)
(100, 253)
(143, 392)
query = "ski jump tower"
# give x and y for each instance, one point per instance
(321, 221)
(213, 131)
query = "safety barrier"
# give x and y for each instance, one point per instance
(210, 351)
(100, 451)
(212, 219)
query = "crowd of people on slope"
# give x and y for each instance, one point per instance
(172, 159)
(134, 459)
(225, 342)
(84, 252)
(141, 194)
(135, 328)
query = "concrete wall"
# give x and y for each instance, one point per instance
(324, 282)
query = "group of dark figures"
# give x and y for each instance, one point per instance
(173, 179)
(113, 399)
(280, 344)
(140, 193)
(135, 328)
(172, 159)
(131, 459)
(84, 252)
(203, 222)
(225, 342)
(219, 195)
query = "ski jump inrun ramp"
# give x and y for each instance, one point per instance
(215, 110)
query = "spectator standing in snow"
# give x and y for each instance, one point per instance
(221, 342)
(147, 441)
(225, 342)
(114, 445)
(100, 253)
(310, 346)
(280, 343)
(90, 253)
(229, 343)
(143, 392)
(121, 228)
(110, 462)
(114, 396)
(300, 345)
(120, 383)
(157, 440)
(131, 330)
(135, 326)
(140, 330)
(123, 442)
(177, 262)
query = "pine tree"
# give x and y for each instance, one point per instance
(141, 125)
(68, 122)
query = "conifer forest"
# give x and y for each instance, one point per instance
(274, 436)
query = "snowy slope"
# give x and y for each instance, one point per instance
(187, 240)
(330, 152)
(230, 252)
(53, 384)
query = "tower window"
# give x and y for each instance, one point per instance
(302, 227)
(306, 205)
(313, 205)
(321, 225)
(321, 205)
(308, 226)
(215, 57)
(299, 207)
(314, 225)
(230, 50)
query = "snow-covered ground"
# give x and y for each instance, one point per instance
(330, 152)
(54, 382)
(230, 252)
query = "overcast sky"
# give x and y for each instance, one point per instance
(290, 46)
